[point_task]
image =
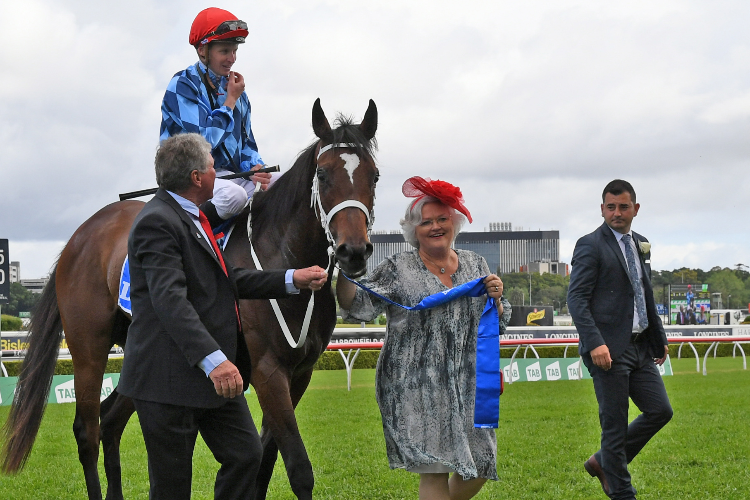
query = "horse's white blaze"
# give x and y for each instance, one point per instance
(351, 164)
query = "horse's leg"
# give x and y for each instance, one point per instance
(270, 454)
(88, 324)
(274, 394)
(270, 449)
(115, 413)
(88, 386)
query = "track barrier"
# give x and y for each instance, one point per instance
(515, 369)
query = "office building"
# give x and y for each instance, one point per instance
(506, 250)
(15, 271)
(35, 285)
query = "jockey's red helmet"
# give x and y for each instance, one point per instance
(215, 24)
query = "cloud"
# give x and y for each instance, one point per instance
(531, 107)
(37, 258)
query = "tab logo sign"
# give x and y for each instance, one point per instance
(510, 373)
(573, 370)
(66, 393)
(534, 372)
(553, 371)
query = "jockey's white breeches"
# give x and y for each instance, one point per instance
(230, 196)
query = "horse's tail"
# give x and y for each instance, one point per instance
(30, 400)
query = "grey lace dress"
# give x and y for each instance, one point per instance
(425, 377)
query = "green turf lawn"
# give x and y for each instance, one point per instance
(547, 430)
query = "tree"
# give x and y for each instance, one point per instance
(21, 300)
(727, 283)
(546, 289)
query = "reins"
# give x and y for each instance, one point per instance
(325, 221)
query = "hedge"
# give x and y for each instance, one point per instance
(10, 323)
(368, 358)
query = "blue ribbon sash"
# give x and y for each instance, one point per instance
(488, 376)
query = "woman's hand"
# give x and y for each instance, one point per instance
(494, 286)
(495, 290)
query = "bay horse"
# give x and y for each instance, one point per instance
(318, 212)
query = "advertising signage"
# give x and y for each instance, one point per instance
(689, 304)
(4, 272)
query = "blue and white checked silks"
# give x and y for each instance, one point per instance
(186, 108)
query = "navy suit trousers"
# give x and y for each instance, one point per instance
(633, 375)
(170, 432)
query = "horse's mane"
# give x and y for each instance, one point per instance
(291, 192)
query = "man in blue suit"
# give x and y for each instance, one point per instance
(621, 338)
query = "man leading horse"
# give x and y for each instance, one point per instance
(186, 362)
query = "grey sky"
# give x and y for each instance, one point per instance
(530, 107)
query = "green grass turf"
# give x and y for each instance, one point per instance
(547, 430)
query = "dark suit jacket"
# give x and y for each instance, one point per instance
(183, 308)
(601, 298)
(680, 319)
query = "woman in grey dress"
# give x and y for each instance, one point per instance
(426, 372)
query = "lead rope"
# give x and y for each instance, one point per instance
(317, 206)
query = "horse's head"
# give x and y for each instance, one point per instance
(344, 185)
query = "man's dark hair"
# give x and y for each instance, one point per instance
(177, 157)
(617, 187)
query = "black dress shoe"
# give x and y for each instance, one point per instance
(595, 470)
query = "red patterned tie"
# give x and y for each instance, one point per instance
(210, 234)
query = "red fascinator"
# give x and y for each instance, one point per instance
(447, 193)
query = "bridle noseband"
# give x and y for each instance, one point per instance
(325, 218)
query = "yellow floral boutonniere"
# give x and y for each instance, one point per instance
(644, 246)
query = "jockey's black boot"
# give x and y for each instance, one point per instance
(209, 209)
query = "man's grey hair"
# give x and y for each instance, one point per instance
(177, 157)
(413, 218)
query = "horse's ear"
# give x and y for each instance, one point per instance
(369, 123)
(320, 124)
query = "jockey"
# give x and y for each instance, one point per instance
(209, 98)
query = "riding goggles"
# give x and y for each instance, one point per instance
(227, 27)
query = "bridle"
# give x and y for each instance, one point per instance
(325, 220)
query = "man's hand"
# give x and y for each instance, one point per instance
(601, 358)
(262, 180)
(660, 361)
(235, 88)
(227, 379)
(312, 278)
